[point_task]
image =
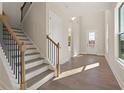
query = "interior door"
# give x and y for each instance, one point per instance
(91, 42)
(56, 30)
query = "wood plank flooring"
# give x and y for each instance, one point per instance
(84, 72)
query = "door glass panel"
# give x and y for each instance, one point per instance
(91, 42)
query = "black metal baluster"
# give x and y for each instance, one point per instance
(10, 51)
(12, 54)
(18, 64)
(9, 36)
(16, 60)
(14, 45)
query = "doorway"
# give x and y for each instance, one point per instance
(91, 42)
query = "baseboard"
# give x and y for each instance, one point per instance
(120, 82)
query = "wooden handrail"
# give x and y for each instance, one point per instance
(52, 40)
(23, 5)
(22, 9)
(22, 48)
(57, 64)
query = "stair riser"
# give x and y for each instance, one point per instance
(27, 51)
(41, 82)
(16, 32)
(33, 64)
(26, 41)
(27, 46)
(19, 33)
(21, 37)
(36, 72)
(30, 51)
(12, 43)
(27, 58)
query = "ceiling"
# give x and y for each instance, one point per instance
(79, 8)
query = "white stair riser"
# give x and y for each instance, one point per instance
(27, 46)
(27, 58)
(36, 72)
(27, 41)
(19, 33)
(17, 30)
(41, 82)
(30, 51)
(31, 57)
(21, 37)
(33, 64)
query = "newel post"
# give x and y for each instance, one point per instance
(22, 65)
(58, 62)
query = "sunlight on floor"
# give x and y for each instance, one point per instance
(91, 66)
(77, 70)
(69, 73)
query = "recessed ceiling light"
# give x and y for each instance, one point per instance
(73, 18)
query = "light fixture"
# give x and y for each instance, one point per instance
(73, 18)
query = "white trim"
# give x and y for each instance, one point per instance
(120, 63)
(9, 71)
(120, 82)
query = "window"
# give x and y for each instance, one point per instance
(91, 39)
(121, 32)
(91, 36)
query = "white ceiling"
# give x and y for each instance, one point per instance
(76, 8)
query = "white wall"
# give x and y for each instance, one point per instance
(12, 9)
(35, 26)
(75, 36)
(1, 30)
(93, 22)
(112, 55)
(64, 34)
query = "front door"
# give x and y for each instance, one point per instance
(91, 42)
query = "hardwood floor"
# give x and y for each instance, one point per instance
(84, 72)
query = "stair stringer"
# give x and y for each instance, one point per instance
(11, 78)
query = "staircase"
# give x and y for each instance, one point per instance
(37, 70)
(29, 69)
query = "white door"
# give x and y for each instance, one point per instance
(91, 42)
(55, 30)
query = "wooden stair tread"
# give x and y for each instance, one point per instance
(37, 78)
(36, 68)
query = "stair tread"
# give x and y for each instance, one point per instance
(12, 27)
(28, 54)
(36, 68)
(37, 78)
(24, 39)
(17, 31)
(16, 28)
(34, 53)
(33, 60)
(23, 35)
(30, 48)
